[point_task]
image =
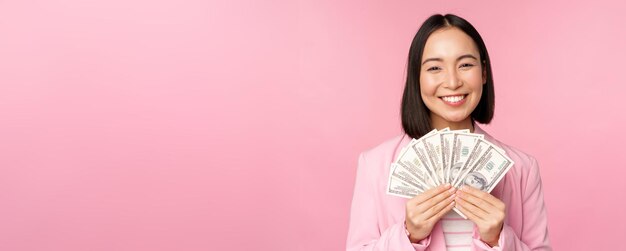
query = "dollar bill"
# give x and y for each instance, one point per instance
(488, 170)
(446, 152)
(409, 174)
(423, 156)
(432, 143)
(479, 148)
(399, 188)
(462, 146)
(412, 163)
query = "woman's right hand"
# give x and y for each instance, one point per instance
(424, 210)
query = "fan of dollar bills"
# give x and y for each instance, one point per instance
(457, 157)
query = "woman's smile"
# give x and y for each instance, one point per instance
(454, 100)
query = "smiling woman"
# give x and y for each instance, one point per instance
(449, 85)
(452, 75)
(451, 62)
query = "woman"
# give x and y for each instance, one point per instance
(449, 84)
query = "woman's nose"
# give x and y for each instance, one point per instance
(453, 80)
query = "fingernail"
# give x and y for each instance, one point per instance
(447, 185)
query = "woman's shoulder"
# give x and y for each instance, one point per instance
(388, 149)
(524, 163)
(381, 156)
(375, 162)
(514, 152)
(524, 174)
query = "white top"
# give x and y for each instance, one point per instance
(457, 231)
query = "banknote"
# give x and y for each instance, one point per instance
(399, 188)
(422, 155)
(410, 174)
(447, 139)
(409, 162)
(432, 143)
(462, 146)
(488, 170)
(479, 148)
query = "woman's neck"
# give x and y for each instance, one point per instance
(438, 123)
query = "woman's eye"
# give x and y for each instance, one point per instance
(466, 65)
(434, 68)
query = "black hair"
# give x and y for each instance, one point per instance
(415, 115)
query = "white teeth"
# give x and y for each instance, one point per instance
(453, 99)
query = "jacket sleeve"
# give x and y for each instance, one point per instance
(534, 234)
(364, 232)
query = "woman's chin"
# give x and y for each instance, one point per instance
(455, 119)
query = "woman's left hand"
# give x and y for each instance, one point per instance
(485, 210)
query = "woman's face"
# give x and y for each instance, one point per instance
(451, 75)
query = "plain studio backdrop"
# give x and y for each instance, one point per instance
(195, 125)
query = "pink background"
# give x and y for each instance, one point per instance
(195, 125)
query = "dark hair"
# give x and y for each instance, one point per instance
(415, 115)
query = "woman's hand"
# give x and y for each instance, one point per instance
(424, 210)
(485, 210)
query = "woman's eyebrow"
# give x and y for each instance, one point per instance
(458, 59)
(467, 56)
(432, 59)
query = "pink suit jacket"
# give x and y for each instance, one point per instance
(377, 219)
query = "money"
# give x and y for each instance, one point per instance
(488, 170)
(411, 164)
(457, 157)
(400, 188)
(462, 145)
(479, 149)
(407, 174)
(422, 156)
(447, 140)
(433, 149)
